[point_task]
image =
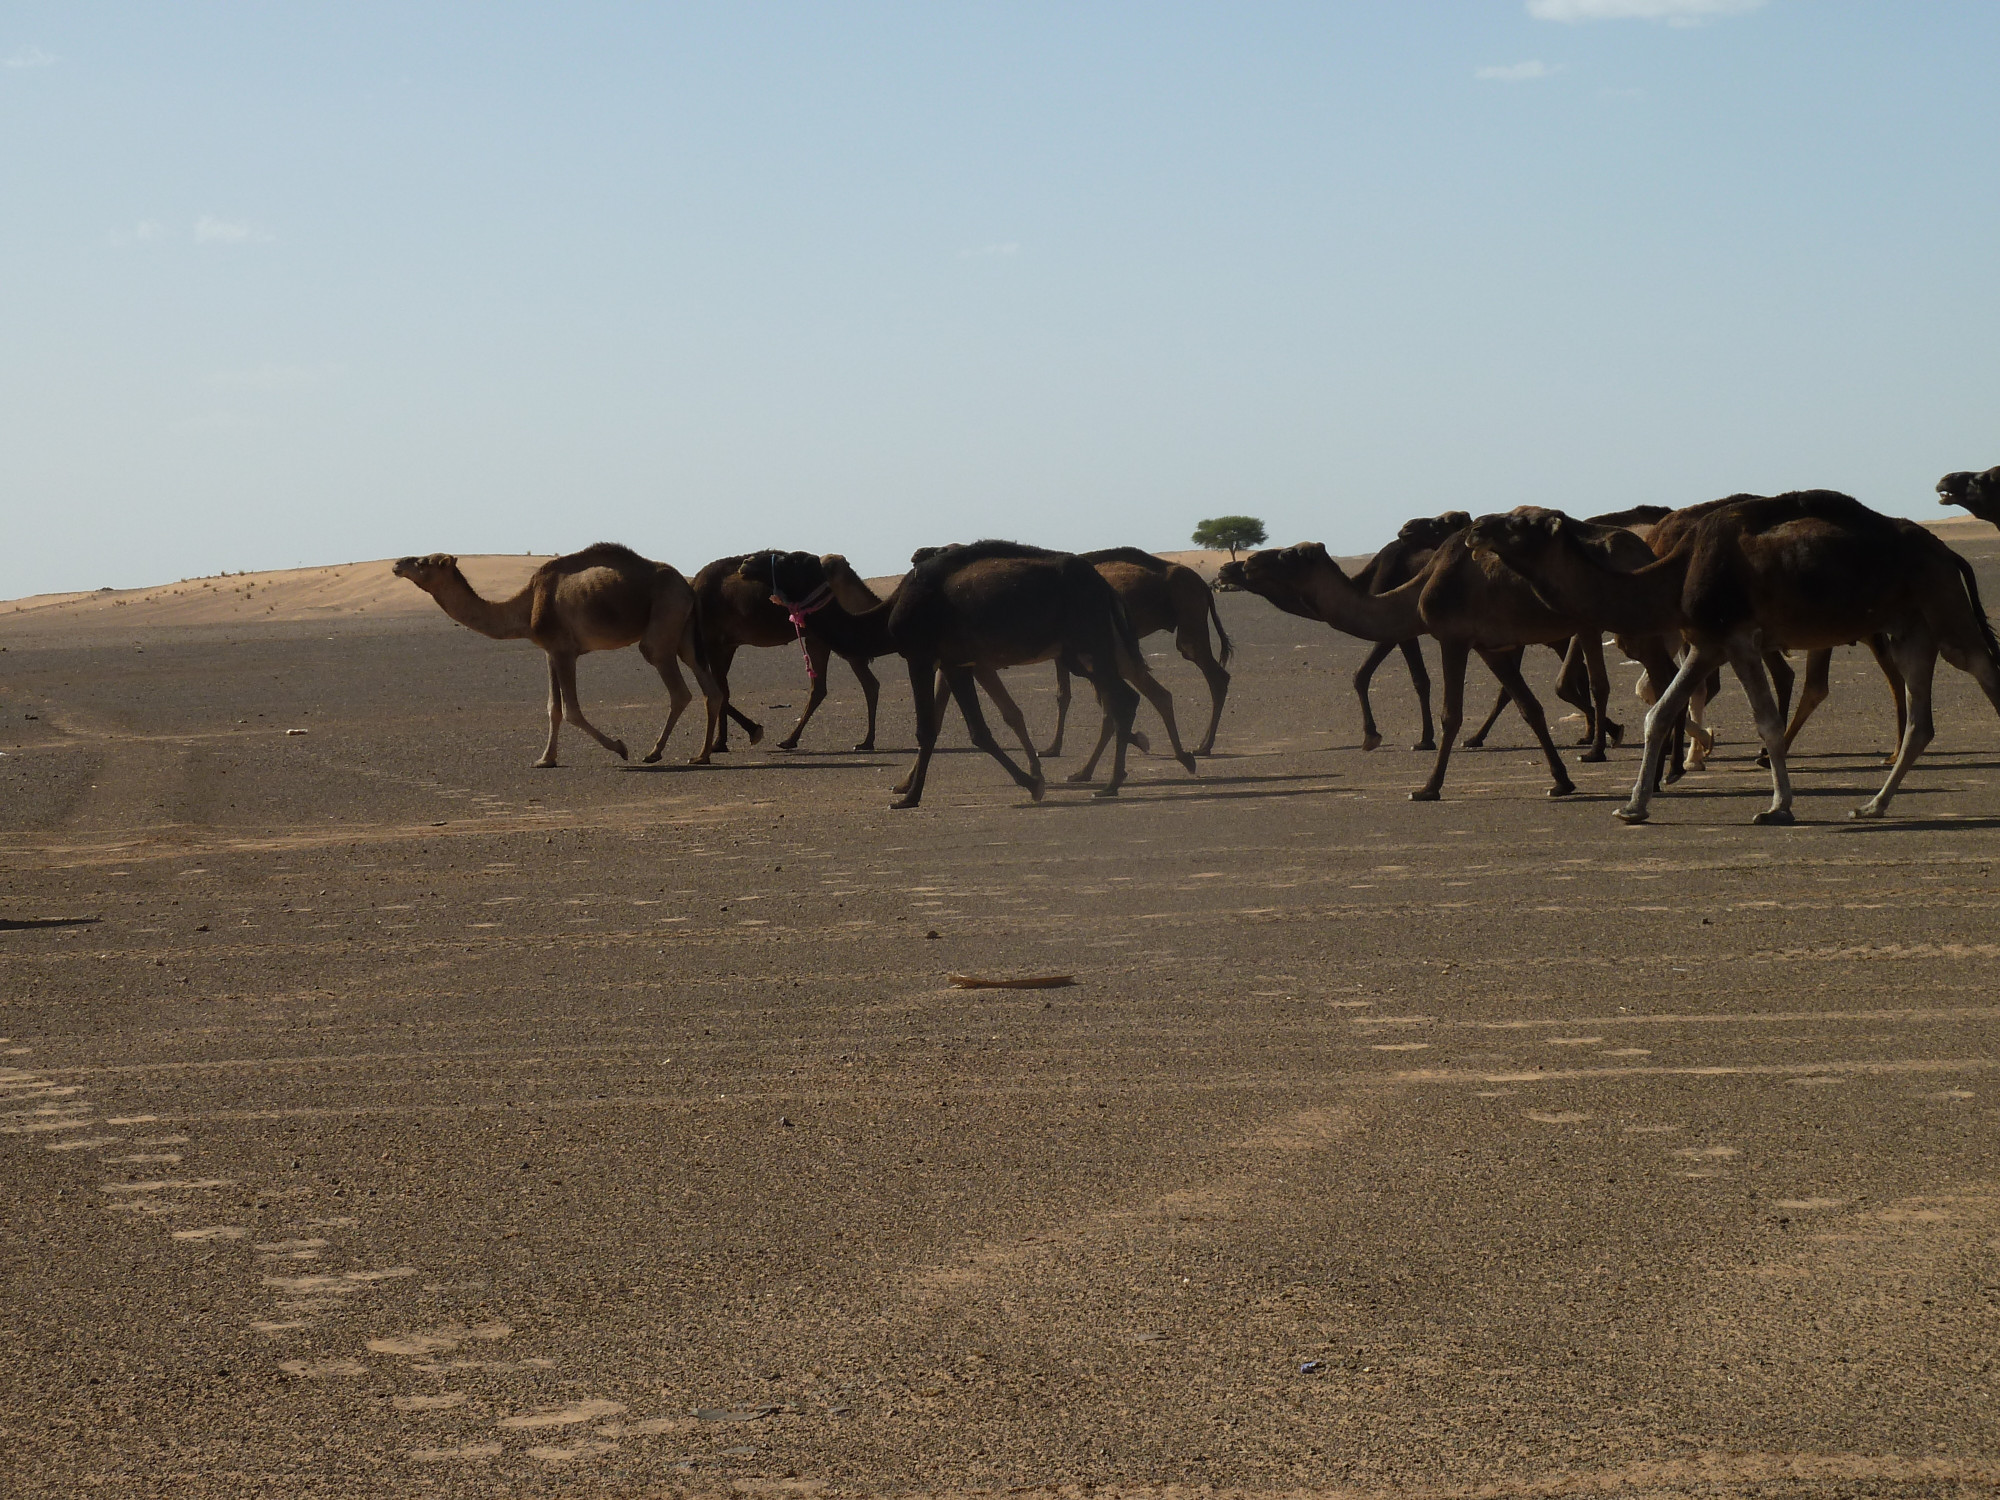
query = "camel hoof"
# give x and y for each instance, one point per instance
(1476, 743)
(1371, 741)
(1145, 745)
(618, 749)
(1675, 774)
(902, 803)
(1867, 811)
(1615, 730)
(651, 760)
(1430, 745)
(790, 744)
(1105, 791)
(1631, 815)
(1592, 757)
(1037, 787)
(1563, 789)
(1424, 794)
(1187, 761)
(1763, 760)
(1051, 753)
(1080, 774)
(866, 745)
(755, 733)
(1774, 817)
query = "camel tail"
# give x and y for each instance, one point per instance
(1965, 576)
(1221, 635)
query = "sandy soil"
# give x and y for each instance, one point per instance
(383, 1116)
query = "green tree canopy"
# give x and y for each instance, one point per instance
(1231, 532)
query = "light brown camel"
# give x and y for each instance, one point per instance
(1469, 601)
(603, 598)
(971, 611)
(736, 612)
(1157, 595)
(1807, 570)
(1977, 492)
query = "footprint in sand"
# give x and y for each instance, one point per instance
(440, 1340)
(428, 1403)
(321, 1368)
(1707, 1153)
(1554, 1117)
(214, 1232)
(565, 1416)
(1574, 1041)
(441, 1455)
(588, 1448)
(1629, 1052)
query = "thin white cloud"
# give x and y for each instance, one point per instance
(1520, 72)
(28, 57)
(991, 252)
(209, 230)
(1673, 12)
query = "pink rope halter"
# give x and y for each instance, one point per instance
(817, 600)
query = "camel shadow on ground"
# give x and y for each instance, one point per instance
(26, 924)
(679, 768)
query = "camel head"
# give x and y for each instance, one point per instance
(1282, 573)
(1978, 493)
(1430, 531)
(1517, 536)
(848, 586)
(786, 576)
(428, 573)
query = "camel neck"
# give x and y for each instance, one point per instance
(502, 619)
(1349, 608)
(855, 632)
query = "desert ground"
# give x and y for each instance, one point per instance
(386, 1117)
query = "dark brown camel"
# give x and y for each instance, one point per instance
(1471, 602)
(971, 611)
(1157, 595)
(1977, 492)
(736, 612)
(1808, 570)
(603, 598)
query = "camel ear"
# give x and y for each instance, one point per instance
(832, 562)
(1552, 523)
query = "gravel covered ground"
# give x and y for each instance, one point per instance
(383, 1116)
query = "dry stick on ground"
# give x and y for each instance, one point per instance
(1807, 570)
(1471, 603)
(971, 611)
(604, 598)
(736, 612)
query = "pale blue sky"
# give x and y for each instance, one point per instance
(306, 283)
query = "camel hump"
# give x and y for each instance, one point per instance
(599, 555)
(1632, 515)
(945, 560)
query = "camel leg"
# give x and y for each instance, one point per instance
(1916, 660)
(1811, 695)
(923, 698)
(1193, 643)
(963, 689)
(1651, 653)
(1453, 655)
(1748, 664)
(871, 691)
(1477, 739)
(1576, 687)
(1885, 658)
(720, 659)
(1135, 671)
(555, 716)
(1371, 737)
(565, 666)
(816, 653)
(1014, 719)
(1590, 646)
(1704, 739)
(678, 696)
(1420, 682)
(1668, 707)
(1104, 733)
(1506, 665)
(1121, 703)
(1062, 710)
(715, 693)
(1782, 678)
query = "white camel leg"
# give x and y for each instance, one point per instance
(1748, 664)
(555, 716)
(1660, 721)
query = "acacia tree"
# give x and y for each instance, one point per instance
(1231, 532)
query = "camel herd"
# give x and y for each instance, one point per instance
(1735, 582)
